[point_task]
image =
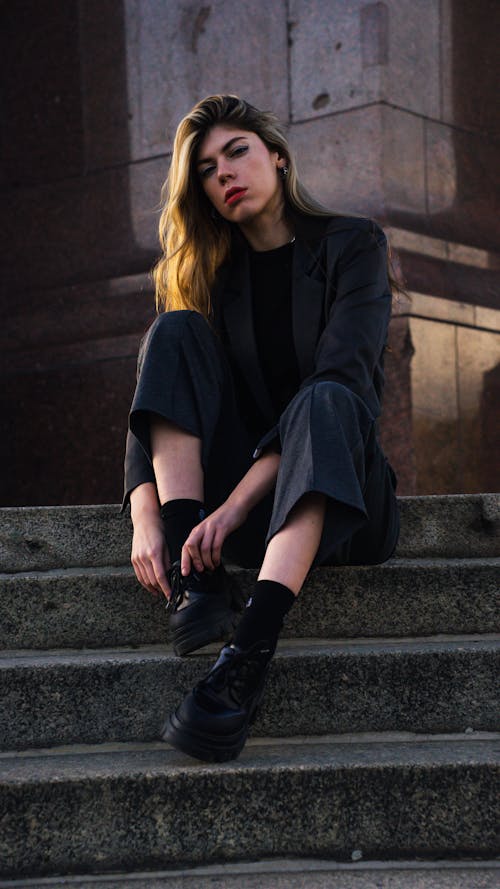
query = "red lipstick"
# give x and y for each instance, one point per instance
(233, 195)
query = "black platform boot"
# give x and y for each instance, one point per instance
(203, 607)
(212, 722)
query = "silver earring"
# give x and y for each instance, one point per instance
(283, 172)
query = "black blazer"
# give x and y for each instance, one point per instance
(341, 307)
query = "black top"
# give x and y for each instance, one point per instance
(271, 284)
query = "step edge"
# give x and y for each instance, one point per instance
(287, 648)
(265, 867)
(381, 739)
(394, 564)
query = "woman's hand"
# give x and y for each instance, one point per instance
(203, 547)
(150, 557)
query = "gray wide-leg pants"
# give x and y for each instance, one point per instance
(328, 445)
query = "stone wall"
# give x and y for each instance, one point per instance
(392, 109)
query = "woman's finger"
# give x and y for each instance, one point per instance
(207, 550)
(161, 579)
(144, 579)
(186, 562)
(191, 548)
(195, 554)
(217, 547)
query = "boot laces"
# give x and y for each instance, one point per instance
(239, 674)
(177, 585)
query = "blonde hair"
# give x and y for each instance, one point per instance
(194, 239)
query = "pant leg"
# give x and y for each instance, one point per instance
(184, 377)
(329, 445)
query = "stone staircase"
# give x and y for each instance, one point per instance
(372, 761)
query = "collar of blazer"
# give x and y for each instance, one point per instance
(233, 300)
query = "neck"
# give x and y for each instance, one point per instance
(267, 233)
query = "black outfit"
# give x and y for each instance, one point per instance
(220, 382)
(271, 287)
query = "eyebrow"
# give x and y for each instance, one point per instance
(205, 160)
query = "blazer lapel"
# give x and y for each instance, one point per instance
(238, 316)
(308, 300)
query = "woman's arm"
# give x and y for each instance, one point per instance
(203, 547)
(150, 557)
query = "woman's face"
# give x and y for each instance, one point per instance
(239, 175)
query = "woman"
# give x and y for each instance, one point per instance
(253, 426)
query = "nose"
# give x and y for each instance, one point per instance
(223, 173)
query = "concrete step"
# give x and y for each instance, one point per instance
(315, 687)
(41, 538)
(148, 807)
(290, 874)
(102, 607)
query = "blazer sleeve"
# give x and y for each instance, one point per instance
(350, 348)
(137, 467)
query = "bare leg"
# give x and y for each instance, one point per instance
(176, 461)
(291, 551)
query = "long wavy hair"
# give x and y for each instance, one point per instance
(195, 240)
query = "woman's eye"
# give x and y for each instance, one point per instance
(206, 172)
(240, 149)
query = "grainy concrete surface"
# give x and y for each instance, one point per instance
(289, 874)
(457, 526)
(314, 687)
(103, 607)
(151, 807)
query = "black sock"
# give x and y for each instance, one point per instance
(179, 518)
(263, 617)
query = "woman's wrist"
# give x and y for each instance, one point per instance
(144, 502)
(257, 482)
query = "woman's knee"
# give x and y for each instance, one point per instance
(177, 321)
(327, 395)
(331, 391)
(170, 328)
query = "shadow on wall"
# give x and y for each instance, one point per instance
(67, 348)
(489, 431)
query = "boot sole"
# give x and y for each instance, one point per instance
(197, 633)
(210, 748)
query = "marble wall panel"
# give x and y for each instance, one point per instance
(170, 55)
(478, 353)
(63, 433)
(490, 431)
(412, 77)
(435, 406)
(101, 226)
(402, 163)
(449, 280)
(365, 161)
(339, 159)
(41, 135)
(72, 317)
(396, 425)
(463, 186)
(372, 157)
(105, 101)
(345, 55)
(455, 381)
(470, 64)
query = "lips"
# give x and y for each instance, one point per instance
(233, 195)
